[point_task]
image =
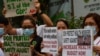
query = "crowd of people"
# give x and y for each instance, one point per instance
(35, 32)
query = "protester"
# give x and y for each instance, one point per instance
(92, 21)
(44, 17)
(62, 24)
(3, 30)
(28, 24)
(29, 28)
(47, 21)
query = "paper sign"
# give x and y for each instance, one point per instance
(50, 40)
(77, 42)
(16, 46)
(19, 7)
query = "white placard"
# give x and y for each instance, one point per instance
(50, 41)
(77, 42)
(16, 45)
(83, 7)
(19, 7)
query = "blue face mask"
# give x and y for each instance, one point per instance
(1, 31)
(28, 32)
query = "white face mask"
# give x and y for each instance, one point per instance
(91, 27)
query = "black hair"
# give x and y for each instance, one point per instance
(64, 21)
(29, 18)
(4, 20)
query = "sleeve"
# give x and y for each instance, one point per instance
(40, 30)
(19, 31)
(97, 41)
(1, 52)
(1, 40)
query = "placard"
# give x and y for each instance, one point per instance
(19, 7)
(77, 42)
(16, 45)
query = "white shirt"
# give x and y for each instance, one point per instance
(40, 30)
(1, 51)
(97, 43)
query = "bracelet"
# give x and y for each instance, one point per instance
(41, 13)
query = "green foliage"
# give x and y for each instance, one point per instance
(57, 16)
(73, 21)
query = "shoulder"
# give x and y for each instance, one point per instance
(41, 26)
(19, 31)
(40, 30)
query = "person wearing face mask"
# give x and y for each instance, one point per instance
(44, 17)
(3, 29)
(62, 24)
(92, 21)
(29, 29)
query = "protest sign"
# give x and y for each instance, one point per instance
(77, 42)
(50, 40)
(19, 7)
(83, 7)
(16, 45)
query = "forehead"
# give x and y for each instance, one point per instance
(27, 22)
(90, 19)
(2, 25)
(35, 0)
(60, 23)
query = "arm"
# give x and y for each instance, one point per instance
(44, 16)
(60, 51)
(1, 45)
(10, 29)
(46, 20)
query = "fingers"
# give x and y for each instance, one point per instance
(37, 5)
(96, 49)
(4, 11)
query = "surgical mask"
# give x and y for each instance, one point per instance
(1, 31)
(91, 27)
(28, 32)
